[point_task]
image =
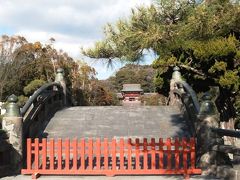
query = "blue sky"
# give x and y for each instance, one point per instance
(72, 23)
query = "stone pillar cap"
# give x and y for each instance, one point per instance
(207, 107)
(60, 70)
(176, 68)
(12, 109)
(59, 75)
(176, 74)
(12, 99)
(207, 96)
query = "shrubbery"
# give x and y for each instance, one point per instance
(33, 86)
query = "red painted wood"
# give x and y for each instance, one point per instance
(105, 153)
(184, 144)
(176, 153)
(169, 155)
(160, 152)
(51, 154)
(36, 153)
(75, 154)
(67, 153)
(153, 154)
(132, 95)
(44, 153)
(145, 154)
(116, 172)
(82, 154)
(113, 154)
(70, 149)
(192, 155)
(98, 153)
(137, 154)
(90, 153)
(121, 145)
(29, 154)
(129, 145)
(59, 154)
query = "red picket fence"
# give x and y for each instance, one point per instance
(122, 157)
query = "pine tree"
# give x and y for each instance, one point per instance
(202, 38)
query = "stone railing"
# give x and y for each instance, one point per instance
(182, 95)
(204, 123)
(31, 120)
(40, 107)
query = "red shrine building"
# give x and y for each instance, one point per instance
(131, 93)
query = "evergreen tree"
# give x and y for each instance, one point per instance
(201, 37)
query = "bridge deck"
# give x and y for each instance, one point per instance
(120, 121)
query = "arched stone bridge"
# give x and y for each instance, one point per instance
(48, 113)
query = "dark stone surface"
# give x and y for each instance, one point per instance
(117, 121)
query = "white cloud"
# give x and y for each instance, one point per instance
(68, 43)
(73, 24)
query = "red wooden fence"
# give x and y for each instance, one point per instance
(104, 157)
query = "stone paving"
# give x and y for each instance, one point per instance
(26, 177)
(115, 122)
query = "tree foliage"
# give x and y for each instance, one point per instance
(8, 66)
(101, 95)
(153, 100)
(26, 66)
(201, 37)
(32, 86)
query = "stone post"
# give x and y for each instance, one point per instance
(60, 78)
(176, 77)
(208, 118)
(12, 123)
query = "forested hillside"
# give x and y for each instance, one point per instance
(133, 74)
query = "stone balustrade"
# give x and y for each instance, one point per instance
(201, 119)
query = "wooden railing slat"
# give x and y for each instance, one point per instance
(90, 154)
(59, 154)
(105, 153)
(184, 145)
(51, 154)
(129, 145)
(160, 153)
(67, 153)
(145, 154)
(137, 154)
(36, 154)
(75, 153)
(121, 146)
(169, 154)
(44, 153)
(114, 162)
(82, 155)
(192, 147)
(153, 154)
(177, 153)
(98, 153)
(29, 154)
